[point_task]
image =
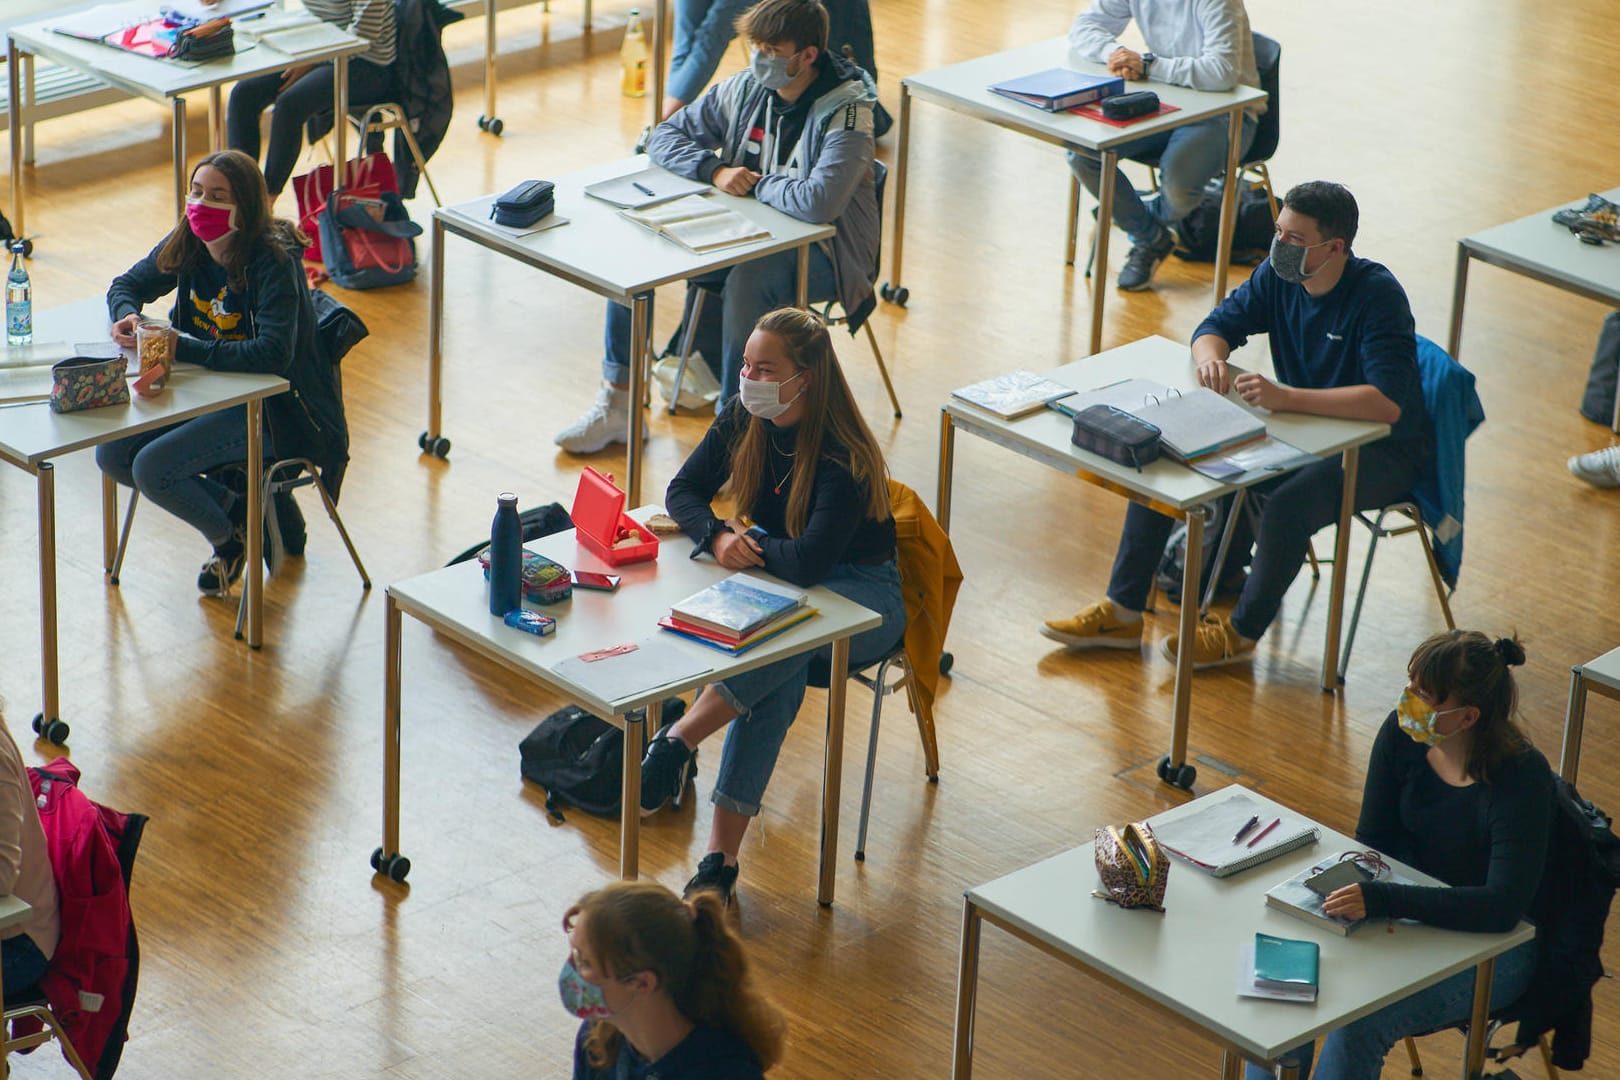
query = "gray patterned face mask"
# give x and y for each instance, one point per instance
(1288, 260)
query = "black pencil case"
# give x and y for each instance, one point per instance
(1130, 106)
(524, 205)
(1116, 435)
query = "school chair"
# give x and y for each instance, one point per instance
(1491, 1053)
(390, 116)
(929, 579)
(832, 312)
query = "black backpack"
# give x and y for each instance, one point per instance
(579, 759)
(1200, 230)
(537, 521)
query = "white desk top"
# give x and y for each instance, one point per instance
(601, 251)
(1045, 435)
(964, 87)
(31, 433)
(455, 600)
(1536, 246)
(12, 911)
(1605, 670)
(1187, 958)
(159, 80)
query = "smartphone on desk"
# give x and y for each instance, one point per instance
(1337, 877)
(590, 579)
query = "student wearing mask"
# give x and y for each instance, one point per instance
(1342, 344)
(664, 990)
(794, 455)
(795, 132)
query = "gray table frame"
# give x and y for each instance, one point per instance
(1600, 676)
(1069, 132)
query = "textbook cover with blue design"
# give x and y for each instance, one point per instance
(1057, 89)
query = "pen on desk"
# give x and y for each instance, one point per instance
(1058, 406)
(1261, 835)
(1251, 823)
(643, 188)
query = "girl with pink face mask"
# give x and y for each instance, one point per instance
(242, 303)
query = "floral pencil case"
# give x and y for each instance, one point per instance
(85, 382)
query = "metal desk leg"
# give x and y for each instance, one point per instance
(435, 337)
(947, 470)
(1175, 770)
(1229, 201)
(640, 327)
(1474, 1060)
(803, 270)
(484, 121)
(902, 148)
(109, 522)
(1099, 273)
(636, 729)
(340, 118)
(15, 132)
(1341, 566)
(1231, 1065)
(255, 524)
(30, 98)
(216, 120)
(967, 992)
(182, 177)
(659, 57)
(1074, 219)
(49, 710)
(1459, 291)
(385, 857)
(1569, 758)
(832, 770)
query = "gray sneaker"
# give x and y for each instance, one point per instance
(1600, 468)
(1144, 260)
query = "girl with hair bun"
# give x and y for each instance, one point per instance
(1455, 789)
(664, 989)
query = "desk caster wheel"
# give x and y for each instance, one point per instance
(438, 446)
(1181, 776)
(52, 730)
(26, 244)
(491, 124)
(896, 296)
(945, 662)
(394, 867)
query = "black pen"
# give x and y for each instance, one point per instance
(643, 188)
(1251, 823)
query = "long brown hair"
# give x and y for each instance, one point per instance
(183, 251)
(829, 409)
(1471, 669)
(635, 926)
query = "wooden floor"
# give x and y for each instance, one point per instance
(270, 949)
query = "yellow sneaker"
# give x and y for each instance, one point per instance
(1097, 627)
(1215, 642)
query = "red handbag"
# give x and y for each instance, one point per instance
(369, 176)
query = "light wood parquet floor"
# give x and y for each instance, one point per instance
(269, 948)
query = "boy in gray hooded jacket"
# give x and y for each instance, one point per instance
(795, 131)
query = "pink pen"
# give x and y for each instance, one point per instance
(1261, 835)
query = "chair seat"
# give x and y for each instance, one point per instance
(821, 670)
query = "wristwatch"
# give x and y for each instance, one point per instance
(1147, 63)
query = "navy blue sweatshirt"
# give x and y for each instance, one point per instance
(1360, 333)
(706, 1054)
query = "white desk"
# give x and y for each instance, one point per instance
(160, 81)
(613, 258)
(31, 435)
(1536, 248)
(963, 88)
(1171, 489)
(455, 602)
(1184, 962)
(1601, 676)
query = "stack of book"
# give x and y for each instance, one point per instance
(738, 613)
(1057, 89)
(1282, 969)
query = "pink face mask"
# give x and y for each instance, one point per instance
(210, 220)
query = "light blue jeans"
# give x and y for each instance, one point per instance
(1190, 157)
(767, 699)
(1357, 1050)
(703, 29)
(751, 289)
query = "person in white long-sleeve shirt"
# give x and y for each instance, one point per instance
(1202, 44)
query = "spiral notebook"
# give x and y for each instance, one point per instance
(1204, 837)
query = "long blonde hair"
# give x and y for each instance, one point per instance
(635, 926)
(829, 409)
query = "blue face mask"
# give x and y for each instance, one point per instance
(583, 999)
(769, 71)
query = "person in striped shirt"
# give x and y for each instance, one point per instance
(306, 90)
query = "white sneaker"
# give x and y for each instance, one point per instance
(1600, 468)
(699, 390)
(606, 422)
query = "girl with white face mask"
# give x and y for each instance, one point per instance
(1455, 789)
(810, 504)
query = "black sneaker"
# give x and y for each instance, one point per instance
(713, 875)
(665, 771)
(1144, 260)
(224, 569)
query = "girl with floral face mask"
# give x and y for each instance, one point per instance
(1456, 790)
(663, 987)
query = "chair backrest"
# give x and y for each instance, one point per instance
(1268, 130)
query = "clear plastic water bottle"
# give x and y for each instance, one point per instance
(19, 300)
(505, 557)
(633, 57)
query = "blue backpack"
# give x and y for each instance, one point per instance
(367, 241)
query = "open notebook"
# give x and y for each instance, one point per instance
(1204, 838)
(698, 223)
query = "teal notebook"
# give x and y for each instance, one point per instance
(1285, 963)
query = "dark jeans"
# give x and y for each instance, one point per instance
(369, 84)
(21, 964)
(1297, 506)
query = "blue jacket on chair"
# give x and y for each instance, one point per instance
(1455, 411)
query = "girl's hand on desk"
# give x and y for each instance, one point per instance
(736, 552)
(1258, 390)
(123, 331)
(1346, 903)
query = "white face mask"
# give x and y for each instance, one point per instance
(764, 399)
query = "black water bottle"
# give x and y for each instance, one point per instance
(505, 557)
